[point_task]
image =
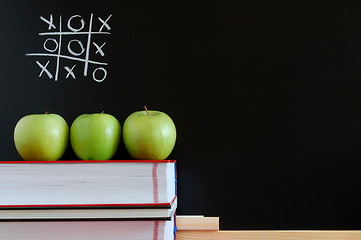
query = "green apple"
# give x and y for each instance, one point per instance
(95, 136)
(41, 137)
(149, 135)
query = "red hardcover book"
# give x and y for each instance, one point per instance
(88, 230)
(116, 189)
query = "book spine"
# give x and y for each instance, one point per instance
(176, 178)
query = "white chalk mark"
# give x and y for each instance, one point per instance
(54, 41)
(43, 69)
(104, 74)
(71, 33)
(76, 48)
(70, 71)
(99, 49)
(65, 56)
(50, 21)
(59, 52)
(76, 29)
(104, 23)
(88, 46)
(75, 53)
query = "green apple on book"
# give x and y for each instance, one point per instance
(149, 135)
(95, 136)
(41, 137)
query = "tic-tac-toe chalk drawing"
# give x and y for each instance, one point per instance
(57, 47)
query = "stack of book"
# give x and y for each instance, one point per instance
(88, 200)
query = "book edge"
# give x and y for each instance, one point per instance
(88, 161)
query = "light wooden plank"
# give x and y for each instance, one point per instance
(269, 235)
(197, 223)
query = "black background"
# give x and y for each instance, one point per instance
(266, 97)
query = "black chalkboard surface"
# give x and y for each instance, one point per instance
(266, 96)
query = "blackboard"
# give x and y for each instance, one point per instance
(266, 96)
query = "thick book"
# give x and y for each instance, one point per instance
(88, 230)
(87, 189)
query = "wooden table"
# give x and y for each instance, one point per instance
(199, 227)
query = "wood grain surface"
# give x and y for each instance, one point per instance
(269, 235)
(199, 227)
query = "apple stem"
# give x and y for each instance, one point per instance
(146, 110)
(47, 112)
(102, 112)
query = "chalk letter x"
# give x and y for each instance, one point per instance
(105, 24)
(70, 71)
(50, 22)
(99, 49)
(43, 69)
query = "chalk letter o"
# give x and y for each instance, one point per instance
(48, 49)
(76, 29)
(80, 44)
(101, 79)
